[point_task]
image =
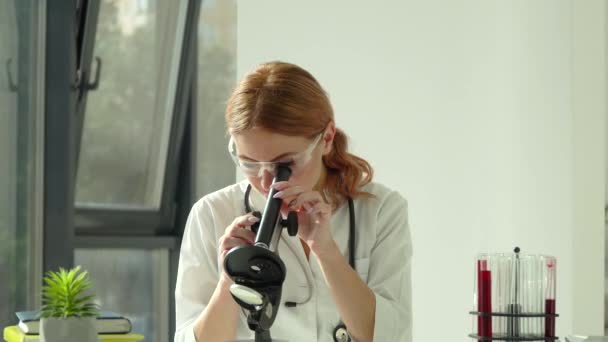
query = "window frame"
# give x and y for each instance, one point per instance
(27, 156)
(59, 135)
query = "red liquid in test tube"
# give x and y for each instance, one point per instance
(550, 300)
(484, 303)
(549, 321)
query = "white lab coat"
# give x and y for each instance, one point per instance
(383, 254)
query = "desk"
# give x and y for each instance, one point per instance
(14, 334)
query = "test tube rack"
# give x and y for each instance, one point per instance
(514, 298)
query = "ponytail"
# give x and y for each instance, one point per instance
(346, 173)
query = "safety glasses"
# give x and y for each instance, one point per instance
(295, 161)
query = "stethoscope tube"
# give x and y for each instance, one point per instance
(340, 332)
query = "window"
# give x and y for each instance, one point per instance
(132, 282)
(128, 118)
(21, 94)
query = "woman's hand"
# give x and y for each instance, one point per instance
(236, 234)
(314, 214)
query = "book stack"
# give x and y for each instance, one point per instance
(111, 327)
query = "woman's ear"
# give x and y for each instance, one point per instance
(328, 137)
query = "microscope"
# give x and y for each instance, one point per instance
(257, 270)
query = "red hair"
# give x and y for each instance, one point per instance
(286, 99)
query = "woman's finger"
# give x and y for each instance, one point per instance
(280, 185)
(320, 211)
(311, 198)
(242, 233)
(307, 207)
(321, 208)
(243, 221)
(289, 192)
(231, 242)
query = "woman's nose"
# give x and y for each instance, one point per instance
(266, 180)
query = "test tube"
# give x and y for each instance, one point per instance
(550, 299)
(513, 327)
(484, 298)
(541, 295)
(538, 294)
(525, 293)
(500, 277)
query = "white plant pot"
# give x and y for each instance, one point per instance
(72, 329)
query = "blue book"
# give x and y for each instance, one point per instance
(108, 322)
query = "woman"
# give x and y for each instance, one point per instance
(280, 114)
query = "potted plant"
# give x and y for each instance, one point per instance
(68, 313)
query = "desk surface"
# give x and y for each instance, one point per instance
(14, 334)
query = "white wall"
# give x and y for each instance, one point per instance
(589, 162)
(476, 111)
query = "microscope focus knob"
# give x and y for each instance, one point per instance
(291, 223)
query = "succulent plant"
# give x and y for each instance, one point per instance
(65, 294)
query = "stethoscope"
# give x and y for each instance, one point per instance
(340, 332)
